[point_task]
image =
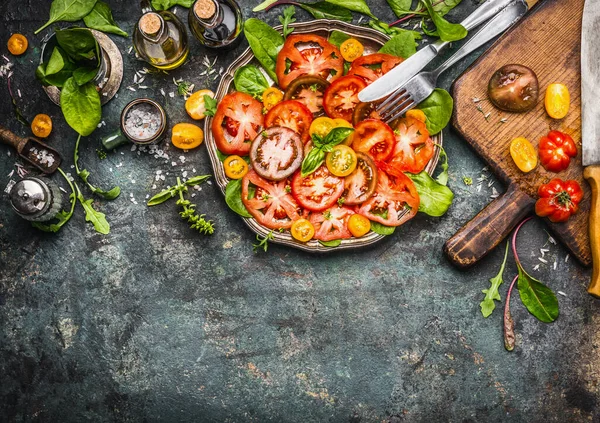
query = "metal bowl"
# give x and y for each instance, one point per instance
(372, 40)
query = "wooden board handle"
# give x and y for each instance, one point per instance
(592, 174)
(486, 230)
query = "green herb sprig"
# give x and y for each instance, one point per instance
(84, 175)
(263, 242)
(286, 19)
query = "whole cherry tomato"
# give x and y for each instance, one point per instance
(556, 150)
(558, 200)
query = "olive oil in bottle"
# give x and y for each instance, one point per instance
(216, 23)
(160, 39)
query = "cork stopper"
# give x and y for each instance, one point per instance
(150, 23)
(205, 9)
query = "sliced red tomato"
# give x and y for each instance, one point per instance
(375, 138)
(413, 147)
(372, 66)
(293, 115)
(332, 224)
(270, 203)
(308, 54)
(341, 98)
(317, 191)
(308, 90)
(395, 201)
(237, 122)
(276, 153)
(360, 185)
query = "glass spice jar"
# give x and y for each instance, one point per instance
(216, 23)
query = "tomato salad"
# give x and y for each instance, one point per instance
(350, 182)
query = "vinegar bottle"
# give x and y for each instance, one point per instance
(216, 23)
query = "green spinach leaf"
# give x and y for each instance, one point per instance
(58, 69)
(488, 305)
(446, 6)
(359, 6)
(443, 176)
(81, 106)
(84, 75)
(265, 43)
(400, 7)
(332, 243)
(101, 18)
(68, 11)
(167, 4)
(391, 30)
(56, 62)
(338, 37)
(250, 80)
(447, 31)
(80, 45)
(380, 229)
(436, 198)
(401, 45)
(286, 19)
(438, 109)
(537, 297)
(324, 10)
(233, 198)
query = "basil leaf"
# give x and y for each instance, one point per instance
(81, 106)
(537, 297)
(250, 80)
(443, 176)
(68, 11)
(488, 305)
(324, 10)
(359, 6)
(313, 160)
(380, 229)
(338, 37)
(167, 4)
(263, 5)
(435, 198)
(233, 197)
(400, 7)
(265, 43)
(401, 45)
(162, 196)
(84, 75)
(286, 19)
(101, 18)
(336, 136)
(438, 109)
(196, 180)
(79, 44)
(447, 31)
(332, 243)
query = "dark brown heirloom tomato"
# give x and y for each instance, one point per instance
(308, 90)
(364, 111)
(276, 153)
(514, 88)
(360, 185)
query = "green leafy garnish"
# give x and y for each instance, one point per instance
(263, 242)
(443, 176)
(265, 43)
(380, 229)
(81, 106)
(488, 305)
(338, 37)
(233, 197)
(438, 109)
(401, 45)
(250, 80)
(167, 4)
(101, 18)
(359, 6)
(84, 175)
(210, 105)
(445, 30)
(324, 10)
(68, 11)
(537, 297)
(286, 19)
(315, 158)
(332, 243)
(96, 218)
(435, 198)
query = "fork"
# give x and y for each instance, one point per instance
(419, 87)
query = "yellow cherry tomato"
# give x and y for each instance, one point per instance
(195, 106)
(359, 225)
(321, 126)
(343, 123)
(187, 136)
(417, 114)
(235, 167)
(17, 44)
(271, 97)
(524, 154)
(41, 126)
(303, 230)
(351, 49)
(341, 161)
(557, 101)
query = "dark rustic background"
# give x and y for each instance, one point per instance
(157, 323)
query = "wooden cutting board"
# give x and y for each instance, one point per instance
(548, 41)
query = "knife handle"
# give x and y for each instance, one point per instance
(592, 174)
(486, 230)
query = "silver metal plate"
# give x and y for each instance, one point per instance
(372, 40)
(590, 83)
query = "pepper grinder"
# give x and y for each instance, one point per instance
(160, 38)
(36, 199)
(216, 24)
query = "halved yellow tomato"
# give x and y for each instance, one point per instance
(341, 161)
(235, 167)
(187, 136)
(195, 105)
(321, 126)
(351, 49)
(524, 155)
(557, 101)
(358, 225)
(303, 230)
(271, 97)
(417, 114)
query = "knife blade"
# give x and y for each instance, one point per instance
(415, 63)
(590, 119)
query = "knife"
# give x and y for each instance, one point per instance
(590, 119)
(400, 75)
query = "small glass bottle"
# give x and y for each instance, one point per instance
(160, 38)
(216, 23)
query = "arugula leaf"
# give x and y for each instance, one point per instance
(263, 242)
(438, 108)
(324, 10)
(443, 176)
(81, 106)
(447, 31)
(488, 305)
(167, 4)
(250, 80)
(210, 105)
(436, 198)
(338, 37)
(62, 216)
(401, 7)
(286, 19)
(380, 229)
(84, 175)
(68, 11)
(233, 197)
(265, 43)
(332, 243)
(537, 297)
(359, 6)
(91, 215)
(264, 5)
(401, 45)
(101, 18)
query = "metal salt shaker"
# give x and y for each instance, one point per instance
(36, 199)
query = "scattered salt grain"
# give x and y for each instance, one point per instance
(172, 94)
(62, 189)
(554, 265)
(536, 267)
(130, 50)
(11, 184)
(562, 293)
(131, 89)
(567, 258)
(173, 164)
(182, 159)
(19, 92)
(163, 92)
(543, 260)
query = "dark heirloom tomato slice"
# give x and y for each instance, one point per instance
(317, 191)
(364, 111)
(413, 147)
(394, 194)
(375, 138)
(360, 185)
(308, 90)
(342, 97)
(276, 153)
(270, 203)
(308, 54)
(373, 66)
(236, 123)
(293, 115)
(332, 224)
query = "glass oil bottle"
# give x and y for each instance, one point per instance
(160, 38)
(216, 24)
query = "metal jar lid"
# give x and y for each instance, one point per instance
(30, 197)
